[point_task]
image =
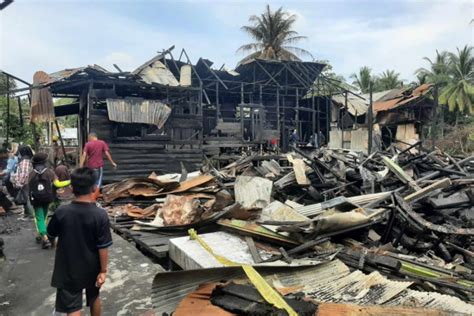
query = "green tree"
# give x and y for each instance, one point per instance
(420, 79)
(274, 36)
(438, 71)
(362, 79)
(329, 82)
(458, 94)
(69, 120)
(387, 80)
(20, 133)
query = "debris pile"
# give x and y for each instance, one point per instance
(402, 215)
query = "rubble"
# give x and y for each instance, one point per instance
(398, 217)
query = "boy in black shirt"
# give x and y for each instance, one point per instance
(81, 256)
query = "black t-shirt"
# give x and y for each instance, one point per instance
(83, 229)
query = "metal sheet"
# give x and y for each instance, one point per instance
(328, 282)
(253, 192)
(432, 300)
(316, 209)
(138, 111)
(355, 105)
(386, 105)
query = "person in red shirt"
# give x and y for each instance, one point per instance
(92, 156)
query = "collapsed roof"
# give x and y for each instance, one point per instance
(164, 70)
(383, 101)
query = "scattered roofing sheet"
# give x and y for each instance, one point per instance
(331, 281)
(432, 300)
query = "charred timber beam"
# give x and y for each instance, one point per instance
(15, 77)
(400, 173)
(444, 229)
(267, 73)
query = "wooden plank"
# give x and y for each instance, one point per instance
(400, 173)
(189, 184)
(443, 183)
(253, 249)
(299, 168)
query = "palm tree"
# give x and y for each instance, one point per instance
(421, 78)
(459, 92)
(438, 72)
(389, 79)
(274, 36)
(362, 79)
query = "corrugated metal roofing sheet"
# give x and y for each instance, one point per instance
(399, 97)
(432, 300)
(332, 282)
(328, 282)
(138, 111)
(356, 106)
(386, 105)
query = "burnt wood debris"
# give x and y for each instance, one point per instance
(335, 198)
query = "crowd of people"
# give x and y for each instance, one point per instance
(67, 217)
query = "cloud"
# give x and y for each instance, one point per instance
(52, 35)
(395, 42)
(121, 59)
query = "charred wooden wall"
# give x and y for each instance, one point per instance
(139, 156)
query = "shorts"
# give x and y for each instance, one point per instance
(71, 301)
(99, 173)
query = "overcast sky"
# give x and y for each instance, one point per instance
(51, 35)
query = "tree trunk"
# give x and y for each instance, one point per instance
(441, 121)
(457, 119)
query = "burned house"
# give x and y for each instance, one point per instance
(398, 115)
(170, 112)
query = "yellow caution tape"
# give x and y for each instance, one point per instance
(223, 260)
(267, 292)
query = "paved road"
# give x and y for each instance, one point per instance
(25, 275)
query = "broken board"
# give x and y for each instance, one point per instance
(189, 254)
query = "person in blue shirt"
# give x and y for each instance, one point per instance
(10, 169)
(294, 138)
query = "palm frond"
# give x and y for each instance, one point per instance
(298, 51)
(273, 31)
(250, 47)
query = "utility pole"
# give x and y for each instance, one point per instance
(435, 111)
(370, 121)
(8, 109)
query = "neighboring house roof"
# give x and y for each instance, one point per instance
(397, 98)
(383, 100)
(355, 105)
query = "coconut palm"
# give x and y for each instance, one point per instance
(459, 92)
(389, 79)
(274, 36)
(362, 79)
(438, 72)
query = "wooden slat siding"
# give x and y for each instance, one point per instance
(100, 124)
(141, 157)
(136, 162)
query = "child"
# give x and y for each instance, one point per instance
(83, 232)
(42, 182)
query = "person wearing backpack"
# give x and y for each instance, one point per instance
(42, 184)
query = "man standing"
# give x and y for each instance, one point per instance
(294, 138)
(93, 155)
(83, 232)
